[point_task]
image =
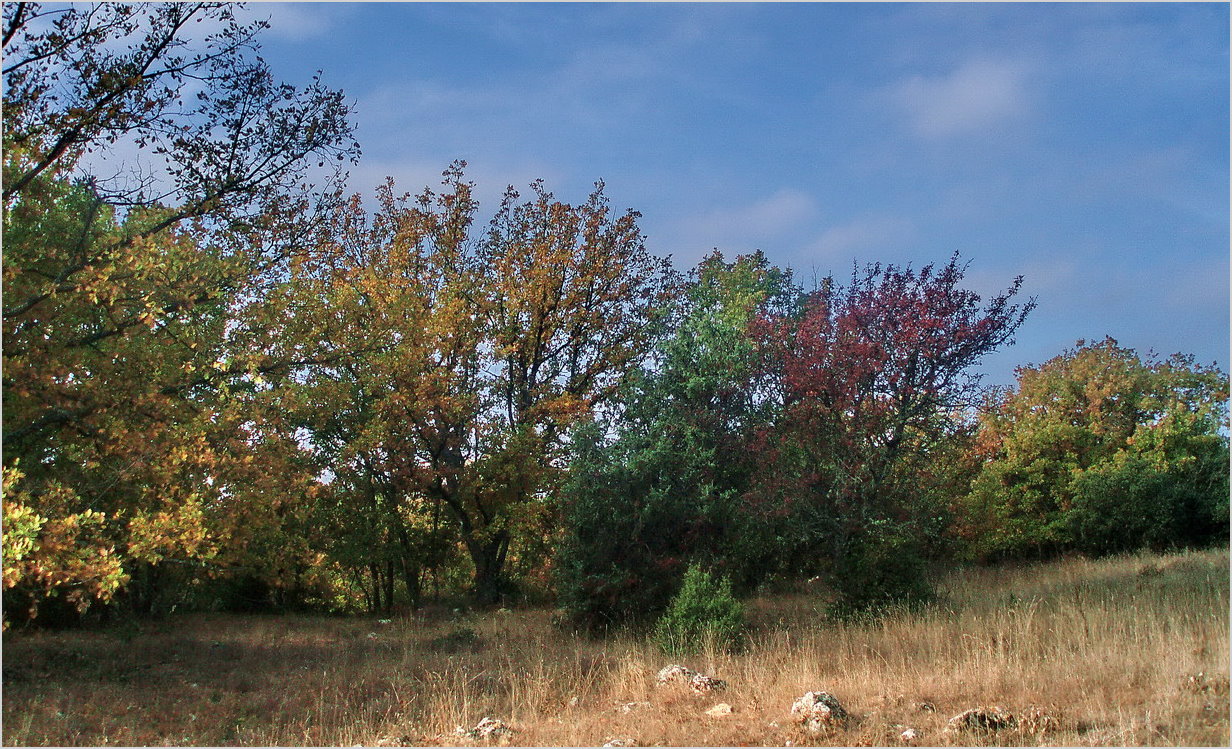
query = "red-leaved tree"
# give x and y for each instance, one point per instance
(870, 377)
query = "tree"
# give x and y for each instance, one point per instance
(656, 484)
(869, 377)
(1100, 450)
(487, 351)
(572, 298)
(394, 428)
(126, 296)
(703, 613)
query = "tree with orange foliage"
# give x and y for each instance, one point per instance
(491, 349)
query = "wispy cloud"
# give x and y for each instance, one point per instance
(846, 241)
(298, 22)
(976, 95)
(744, 227)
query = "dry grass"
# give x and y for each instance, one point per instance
(1111, 649)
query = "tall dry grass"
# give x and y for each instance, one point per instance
(1111, 649)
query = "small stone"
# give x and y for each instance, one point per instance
(721, 710)
(1202, 683)
(573, 701)
(926, 707)
(621, 741)
(909, 736)
(489, 728)
(629, 707)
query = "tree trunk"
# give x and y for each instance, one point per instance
(490, 585)
(410, 567)
(144, 587)
(375, 570)
(389, 586)
(410, 575)
(358, 576)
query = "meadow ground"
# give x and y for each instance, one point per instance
(1124, 651)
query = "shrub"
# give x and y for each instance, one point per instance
(704, 612)
(881, 569)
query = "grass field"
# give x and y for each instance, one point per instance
(1122, 651)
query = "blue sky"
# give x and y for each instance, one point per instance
(1083, 146)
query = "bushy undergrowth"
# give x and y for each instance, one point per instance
(880, 571)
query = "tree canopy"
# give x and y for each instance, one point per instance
(1101, 450)
(227, 384)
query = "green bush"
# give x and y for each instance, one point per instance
(881, 569)
(1123, 505)
(704, 612)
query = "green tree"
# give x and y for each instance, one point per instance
(704, 612)
(1100, 450)
(658, 484)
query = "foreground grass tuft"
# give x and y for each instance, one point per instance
(1125, 651)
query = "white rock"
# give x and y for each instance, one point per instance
(490, 728)
(674, 673)
(818, 710)
(910, 735)
(698, 682)
(721, 710)
(486, 729)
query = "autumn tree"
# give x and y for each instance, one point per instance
(571, 302)
(488, 348)
(869, 375)
(397, 428)
(1101, 450)
(127, 281)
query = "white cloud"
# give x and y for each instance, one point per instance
(975, 96)
(297, 22)
(845, 241)
(748, 226)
